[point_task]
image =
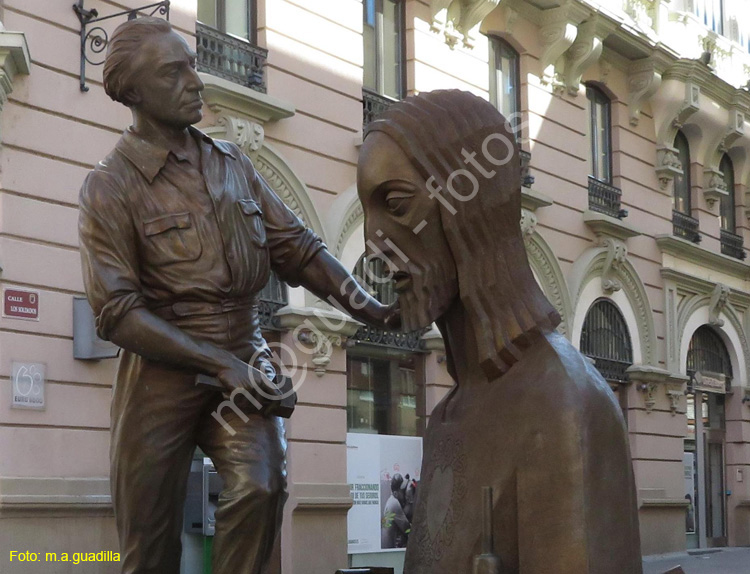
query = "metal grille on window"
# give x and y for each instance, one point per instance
(271, 298)
(606, 340)
(374, 278)
(707, 353)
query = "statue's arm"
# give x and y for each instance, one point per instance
(110, 271)
(300, 257)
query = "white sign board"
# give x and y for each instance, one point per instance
(372, 463)
(28, 386)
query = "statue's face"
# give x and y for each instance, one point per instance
(403, 224)
(167, 87)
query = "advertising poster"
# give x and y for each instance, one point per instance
(383, 473)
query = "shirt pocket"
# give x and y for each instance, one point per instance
(252, 218)
(171, 238)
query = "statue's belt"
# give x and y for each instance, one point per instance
(191, 308)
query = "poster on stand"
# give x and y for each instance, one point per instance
(383, 473)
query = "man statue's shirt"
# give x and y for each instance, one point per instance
(159, 232)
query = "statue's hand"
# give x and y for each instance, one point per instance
(240, 375)
(386, 316)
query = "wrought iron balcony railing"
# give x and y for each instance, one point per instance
(373, 104)
(271, 298)
(611, 370)
(396, 339)
(527, 180)
(731, 244)
(605, 198)
(685, 226)
(230, 58)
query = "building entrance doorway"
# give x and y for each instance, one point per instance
(710, 371)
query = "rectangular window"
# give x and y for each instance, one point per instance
(383, 37)
(600, 133)
(505, 74)
(382, 395)
(235, 17)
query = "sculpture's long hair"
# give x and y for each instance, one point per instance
(506, 307)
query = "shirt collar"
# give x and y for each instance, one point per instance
(150, 158)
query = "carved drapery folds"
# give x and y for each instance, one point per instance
(460, 18)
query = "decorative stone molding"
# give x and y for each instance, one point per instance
(225, 97)
(585, 51)
(648, 380)
(532, 199)
(559, 28)
(686, 294)
(320, 320)
(607, 226)
(644, 80)
(460, 18)
(354, 217)
(714, 187)
(529, 222)
(643, 12)
(590, 266)
(694, 253)
(247, 134)
(322, 347)
(547, 269)
(328, 498)
(14, 60)
(617, 253)
(668, 165)
(719, 300)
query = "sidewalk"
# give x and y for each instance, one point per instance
(725, 561)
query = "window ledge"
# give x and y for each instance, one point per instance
(533, 200)
(606, 225)
(225, 97)
(320, 320)
(678, 247)
(664, 503)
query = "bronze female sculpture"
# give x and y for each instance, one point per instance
(439, 179)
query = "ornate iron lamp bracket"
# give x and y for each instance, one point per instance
(94, 39)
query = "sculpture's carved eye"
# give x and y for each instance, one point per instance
(397, 201)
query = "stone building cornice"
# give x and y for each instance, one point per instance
(14, 60)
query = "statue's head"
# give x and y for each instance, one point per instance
(439, 180)
(151, 69)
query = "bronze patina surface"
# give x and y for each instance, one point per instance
(529, 416)
(178, 234)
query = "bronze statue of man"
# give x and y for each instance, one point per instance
(529, 416)
(178, 234)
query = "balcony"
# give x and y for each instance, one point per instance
(731, 244)
(605, 198)
(685, 226)
(230, 58)
(527, 180)
(373, 104)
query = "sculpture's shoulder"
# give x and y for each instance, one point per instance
(567, 375)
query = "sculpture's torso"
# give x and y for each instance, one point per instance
(549, 438)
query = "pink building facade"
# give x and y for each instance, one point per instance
(632, 118)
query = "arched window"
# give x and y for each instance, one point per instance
(600, 125)
(707, 353)
(605, 338)
(681, 199)
(505, 85)
(728, 221)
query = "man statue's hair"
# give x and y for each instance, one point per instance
(127, 40)
(505, 305)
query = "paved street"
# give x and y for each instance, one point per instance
(726, 561)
